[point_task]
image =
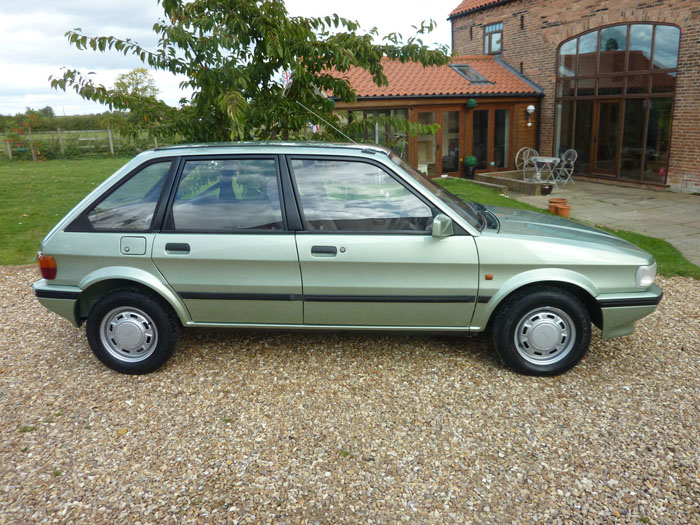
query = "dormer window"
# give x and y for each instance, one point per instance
(493, 38)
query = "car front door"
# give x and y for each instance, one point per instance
(367, 255)
(225, 248)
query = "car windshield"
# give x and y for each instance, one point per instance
(467, 210)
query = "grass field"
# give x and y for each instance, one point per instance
(35, 195)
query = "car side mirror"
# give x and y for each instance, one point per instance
(442, 226)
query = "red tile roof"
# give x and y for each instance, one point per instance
(411, 79)
(471, 5)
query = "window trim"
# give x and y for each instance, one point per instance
(81, 224)
(433, 209)
(168, 221)
(490, 30)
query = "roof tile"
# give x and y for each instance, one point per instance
(412, 79)
(470, 5)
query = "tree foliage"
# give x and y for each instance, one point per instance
(137, 82)
(232, 54)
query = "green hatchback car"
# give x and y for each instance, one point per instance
(328, 237)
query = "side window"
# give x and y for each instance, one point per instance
(493, 38)
(356, 196)
(228, 195)
(132, 204)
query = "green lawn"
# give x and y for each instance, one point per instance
(670, 260)
(485, 195)
(35, 195)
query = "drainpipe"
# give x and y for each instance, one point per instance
(538, 128)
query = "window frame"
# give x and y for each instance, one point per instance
(433, 209)
(168, 221)
(82, 224)
(490, 30)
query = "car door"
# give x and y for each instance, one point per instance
(225, 248)
(367, 255)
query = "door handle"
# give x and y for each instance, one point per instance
(327, 251)
(177, 247)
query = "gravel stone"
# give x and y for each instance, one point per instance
(248, 427)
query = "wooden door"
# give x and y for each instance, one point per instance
(442, 152)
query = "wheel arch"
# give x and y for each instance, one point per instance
(584, 291)
(97, 285)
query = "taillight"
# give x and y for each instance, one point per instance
(47, 265)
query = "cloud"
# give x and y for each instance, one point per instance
(33, 45)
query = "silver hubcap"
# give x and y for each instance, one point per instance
(128, 334)
(545, 336)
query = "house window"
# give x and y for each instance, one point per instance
(470, 74)
(493, 37)
(615, 93)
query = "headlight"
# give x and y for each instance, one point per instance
(645, 275)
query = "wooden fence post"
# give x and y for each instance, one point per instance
(9, 149)
(155, 141)
(60, 142)
(109, 137)
(31, 143)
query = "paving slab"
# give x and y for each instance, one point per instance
(674, 217)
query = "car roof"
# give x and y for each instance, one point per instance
(214, 148)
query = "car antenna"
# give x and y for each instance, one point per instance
(324, 120)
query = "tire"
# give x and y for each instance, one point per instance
(542, 331)
(132, 332)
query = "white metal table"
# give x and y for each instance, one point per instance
(544, 168)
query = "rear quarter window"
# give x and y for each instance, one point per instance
(132, 204)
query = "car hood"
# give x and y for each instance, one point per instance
(542, 225)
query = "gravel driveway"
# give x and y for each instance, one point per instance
(288, 427)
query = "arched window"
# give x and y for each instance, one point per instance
(615, 90)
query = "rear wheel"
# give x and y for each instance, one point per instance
(542, 331)
(132, 332)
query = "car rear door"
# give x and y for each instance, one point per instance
(225, 247)
(367, 255)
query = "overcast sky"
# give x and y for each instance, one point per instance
(33, 45)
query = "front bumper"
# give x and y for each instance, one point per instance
(59, 299)
(621, 311)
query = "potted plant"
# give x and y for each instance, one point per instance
(470, 163)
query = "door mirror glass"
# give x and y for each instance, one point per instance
(442, 226)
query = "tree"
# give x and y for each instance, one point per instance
(232, 54)
(47, 112)
(137, 82)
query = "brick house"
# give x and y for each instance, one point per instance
(621, 80)
(479, 102)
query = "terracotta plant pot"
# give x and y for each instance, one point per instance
(554, 202)
(563, 210)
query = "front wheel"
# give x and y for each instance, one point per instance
(131, 332)
(542, 331)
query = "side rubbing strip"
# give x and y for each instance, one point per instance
(484, 299)
(212, 296)
(647, 301)
(389, 298)
(56, 294)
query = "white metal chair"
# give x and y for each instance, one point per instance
(523, 159)
(565, 169)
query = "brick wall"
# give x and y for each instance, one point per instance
(546, 23)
